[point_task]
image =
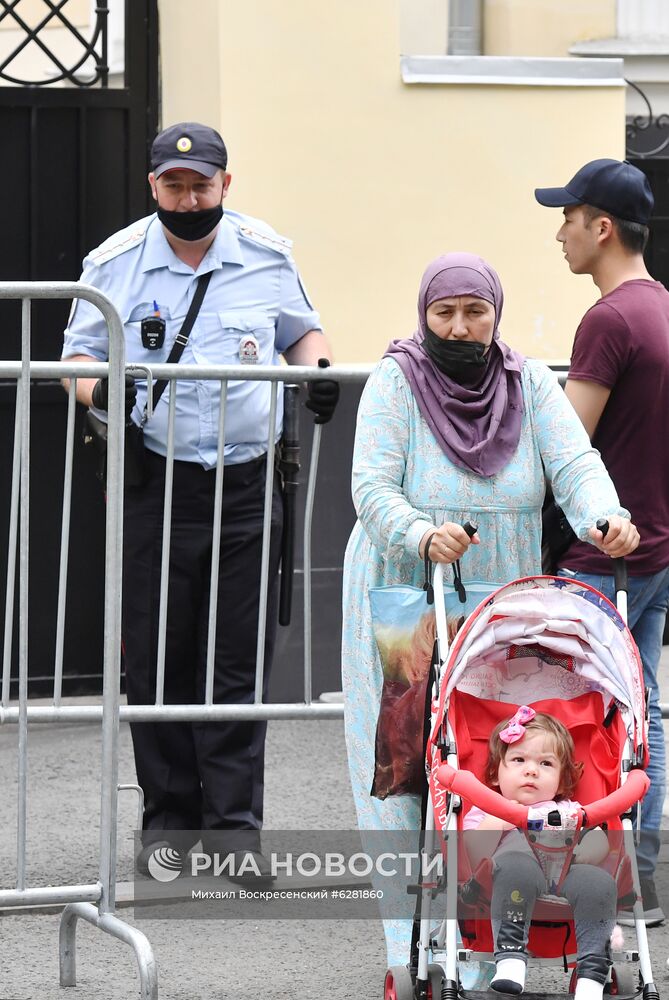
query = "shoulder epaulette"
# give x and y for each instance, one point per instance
(120, 242)
(264, 238)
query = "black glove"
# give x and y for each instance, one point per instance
(100, 395)
(323, 396)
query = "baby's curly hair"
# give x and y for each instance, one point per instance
(563, 747)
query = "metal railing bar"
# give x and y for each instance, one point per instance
(194, 373)
(107, 922)
(308, 518)
(139, 792)
(56, 290)
(112, 606)
(83, 714)
(12, 551)
(266, 539)
(24, 559)
(55, 371)
(142, 373)
(215, 550)
(64, 542)
(50, 894)
(165, 554)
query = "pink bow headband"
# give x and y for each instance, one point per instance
(515, 728)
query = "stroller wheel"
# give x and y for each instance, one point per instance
(436, 980)
(398, 984)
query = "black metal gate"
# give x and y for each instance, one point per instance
(647, 147)
(657, 251)
(74, 149)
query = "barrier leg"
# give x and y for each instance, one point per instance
(148, 969)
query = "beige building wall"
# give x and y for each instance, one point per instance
(372, 178)
(544, 27)
(190, 60)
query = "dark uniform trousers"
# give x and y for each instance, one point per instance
(198, 776)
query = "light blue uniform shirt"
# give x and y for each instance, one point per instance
(255, 289)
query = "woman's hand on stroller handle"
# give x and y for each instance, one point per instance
(448, 542)
(616, 536)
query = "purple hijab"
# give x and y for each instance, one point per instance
(477, 428)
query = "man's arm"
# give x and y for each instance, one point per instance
(84, 385)
(308, 349)
(323, 394)
(589, 400)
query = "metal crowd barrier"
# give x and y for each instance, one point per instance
(207, 712)
(96, 902)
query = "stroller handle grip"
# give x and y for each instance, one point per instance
(619, 565)
(467, 785)
(620, 801)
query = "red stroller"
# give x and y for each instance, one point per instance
(563, 648)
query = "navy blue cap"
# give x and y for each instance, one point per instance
(611, 185)
(188, 145)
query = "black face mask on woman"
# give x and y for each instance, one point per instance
(462, 360)
(191, 226)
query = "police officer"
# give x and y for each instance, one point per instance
(199, 776)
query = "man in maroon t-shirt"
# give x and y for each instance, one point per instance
(618, 383)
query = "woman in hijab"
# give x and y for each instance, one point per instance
(454, 426)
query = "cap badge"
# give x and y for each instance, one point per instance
(184, 145)
(249, 350)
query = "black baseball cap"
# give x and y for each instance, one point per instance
(615, 186)
(188, 144)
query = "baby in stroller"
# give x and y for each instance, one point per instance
(531, 762)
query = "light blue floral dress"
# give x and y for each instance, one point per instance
(403, 484)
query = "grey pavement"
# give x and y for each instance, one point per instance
(306, 788)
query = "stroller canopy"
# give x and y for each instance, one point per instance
(545, 637)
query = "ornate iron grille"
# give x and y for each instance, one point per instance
(648, 132)
(95, 49)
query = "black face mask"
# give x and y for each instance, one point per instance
(462, 360)
(191, 226)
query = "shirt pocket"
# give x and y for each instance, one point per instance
(228, 333)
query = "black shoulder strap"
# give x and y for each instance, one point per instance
(182, 336)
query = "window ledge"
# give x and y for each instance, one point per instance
(622, 47)
(512, 71)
